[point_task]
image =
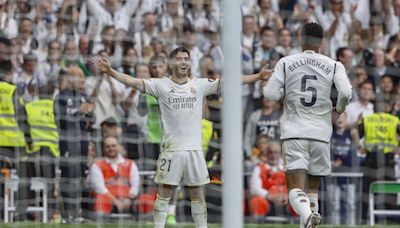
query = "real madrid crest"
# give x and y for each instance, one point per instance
(192, 90)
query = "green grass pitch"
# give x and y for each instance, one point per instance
(116, 225)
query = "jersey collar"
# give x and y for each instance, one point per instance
(309, 52)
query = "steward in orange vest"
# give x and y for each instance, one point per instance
(268, 184)
(114, 179)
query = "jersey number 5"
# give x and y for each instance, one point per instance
(311, 89)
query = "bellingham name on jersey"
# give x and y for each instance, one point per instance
(310, 62)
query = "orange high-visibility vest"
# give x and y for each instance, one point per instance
(273, 182)
(117, 183)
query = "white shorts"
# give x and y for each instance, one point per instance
(186, 167)
(305, 154)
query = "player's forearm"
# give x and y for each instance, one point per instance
(126, 79)
(245, 79)
(343, 100)
(273, 91)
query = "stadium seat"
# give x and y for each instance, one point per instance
(11, 186)
(381, 187)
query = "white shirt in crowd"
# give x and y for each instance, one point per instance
(105, 107)
(305, 82)
(354, 109)
(342, 33)
(96, 176)
(181, 108)
(134, 118)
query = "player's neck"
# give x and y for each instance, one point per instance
(179, 80)
(310, 48)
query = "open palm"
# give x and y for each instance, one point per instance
(102, 64)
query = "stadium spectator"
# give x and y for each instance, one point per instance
(264, 121)
(114, 13)
(28, 79)
(358, 76)
(357, 44)
(144, 35)
(8, 25)
(267, 185)
(74, 113)
(136, 130)
(377, 35)
(342, 189)
(363, 106)
(345, 55)
(285, 46)
(385, 93)
(29, 43)
(338, 24)
(51, 66)
(115, 180)
(307, 151)
(266, 52)
(266, 17)
(107, 93)
(190, 42)
(71, 57)
(129, 61)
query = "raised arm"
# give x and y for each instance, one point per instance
(103, 65)
(264, 74)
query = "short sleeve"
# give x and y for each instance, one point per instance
(211, 86)
(151, 86)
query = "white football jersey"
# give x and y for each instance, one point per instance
(305, 82)
(181, 108)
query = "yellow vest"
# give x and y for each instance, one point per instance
(207, 130)
(380, 130)
(43, 126)
(10, 133)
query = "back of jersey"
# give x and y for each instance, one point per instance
(305, 81)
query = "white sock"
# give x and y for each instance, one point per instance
(199, 213)
(313, 202)
(300, 203)
(171, 209)
(160, 211)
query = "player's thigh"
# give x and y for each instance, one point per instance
(320, 160)
(170, 167)
(195, 169)
(295, 154)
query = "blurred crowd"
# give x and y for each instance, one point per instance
(90, 127)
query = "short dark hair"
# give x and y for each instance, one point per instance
(340, 51)
(366, 82)
(312, 34)
(156, 59)
(266, 28)
(5, 68)
(176, 51)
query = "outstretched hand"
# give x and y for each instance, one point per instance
(265, 73)
(101, 64)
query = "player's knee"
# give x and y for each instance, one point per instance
(196, 194)
(165, 191)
